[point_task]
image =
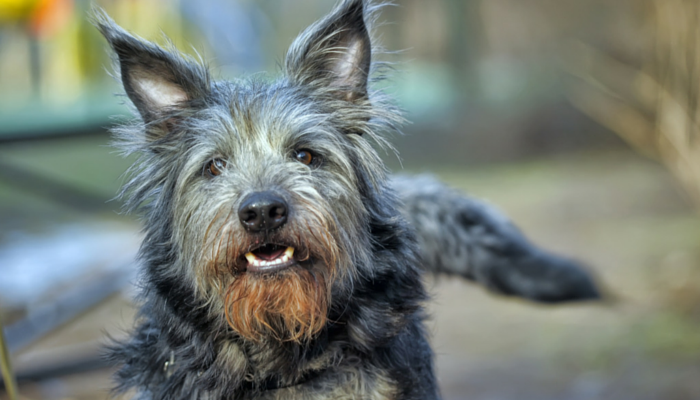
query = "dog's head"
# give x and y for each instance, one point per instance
(255, 192)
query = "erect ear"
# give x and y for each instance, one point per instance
(335, 53)
(156, 80)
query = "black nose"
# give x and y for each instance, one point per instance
(263, 211)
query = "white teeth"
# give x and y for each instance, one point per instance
(251, 258)
(283, 259)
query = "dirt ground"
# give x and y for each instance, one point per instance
(620, 214)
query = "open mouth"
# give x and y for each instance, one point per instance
(270, 257)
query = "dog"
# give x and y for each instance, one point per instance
(280, 259)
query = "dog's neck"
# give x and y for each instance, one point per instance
(273, 382)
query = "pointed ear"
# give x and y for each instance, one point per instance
(335, 53)
(156, 80)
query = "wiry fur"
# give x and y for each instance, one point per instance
(459, 235)
(347, 321)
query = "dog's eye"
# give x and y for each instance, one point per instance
(215, 167)
(306, 157)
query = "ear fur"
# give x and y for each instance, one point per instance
(335, 54)
(156, 80)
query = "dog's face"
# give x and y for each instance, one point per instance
(258, 190)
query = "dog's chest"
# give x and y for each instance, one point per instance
(331, 375)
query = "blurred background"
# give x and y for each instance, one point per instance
(579, 118)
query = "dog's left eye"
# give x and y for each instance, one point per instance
(306, 157)
(215, 167)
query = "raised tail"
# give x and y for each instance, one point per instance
(459, 235)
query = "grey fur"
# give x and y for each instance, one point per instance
(344, 221)
(463, 236)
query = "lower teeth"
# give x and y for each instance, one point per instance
(257, 262)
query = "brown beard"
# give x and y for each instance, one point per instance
(289, 306)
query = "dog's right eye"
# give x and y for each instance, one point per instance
(307, 157)
(215, 167)
(304, 156)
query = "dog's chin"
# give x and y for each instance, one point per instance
(279, 293)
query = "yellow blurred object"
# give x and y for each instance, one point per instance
(49, 16)
(150, 18)
(6, 367)
(44, 17)
(16, 10)
(54, 55)
(62, 79)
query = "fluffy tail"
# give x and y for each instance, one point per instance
(459, 235)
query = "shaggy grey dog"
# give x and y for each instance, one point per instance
(280, 260)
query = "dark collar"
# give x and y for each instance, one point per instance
(273, 382)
